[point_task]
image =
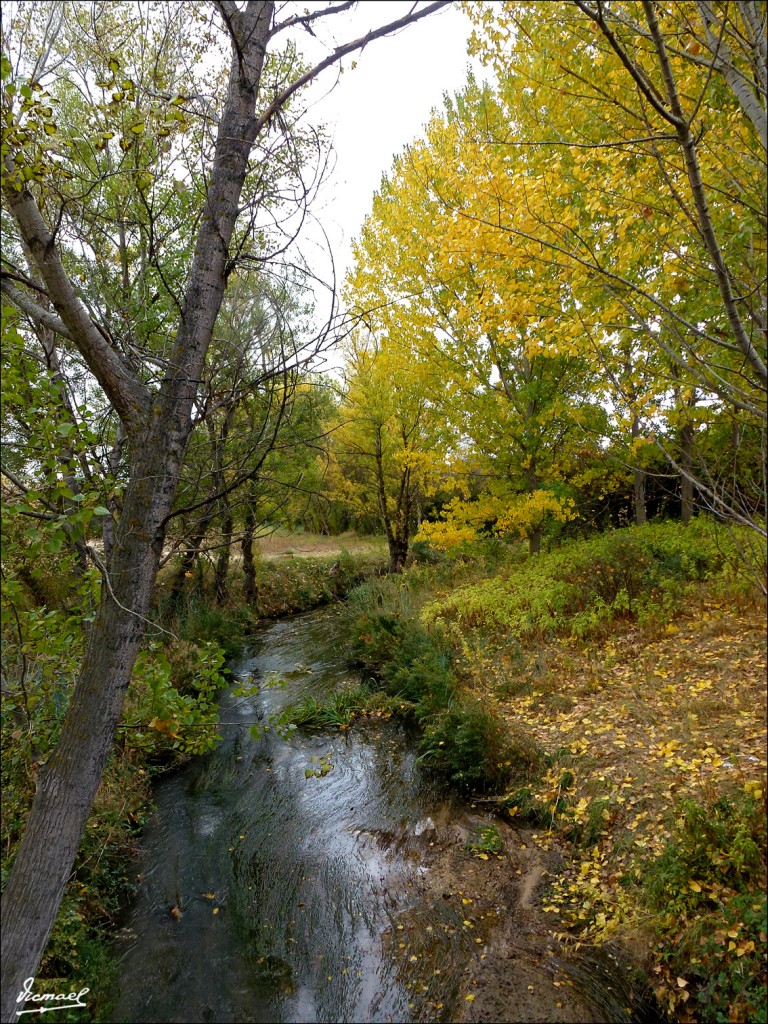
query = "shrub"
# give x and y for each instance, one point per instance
(707, 891)
(475, 749)
(463, 740)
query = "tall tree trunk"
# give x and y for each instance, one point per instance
(159, 425)
(68, 782)
(638, 481)
(533, 481)
(384, 510)
(534, 541)
(246, 544)
(222, 562)
(686, 477)
(638, 496)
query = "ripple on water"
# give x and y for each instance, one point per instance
(288, 886)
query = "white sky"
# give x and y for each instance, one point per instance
(379, 107)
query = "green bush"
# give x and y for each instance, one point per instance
(707, 892)
(463, 739)
(476, 749)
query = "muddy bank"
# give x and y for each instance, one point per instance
(516, 971)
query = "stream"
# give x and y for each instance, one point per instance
(272, 892)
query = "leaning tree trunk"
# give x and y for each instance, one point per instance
(159, 424)
(68, 782)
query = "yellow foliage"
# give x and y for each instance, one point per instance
(517, 515)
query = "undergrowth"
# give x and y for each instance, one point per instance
(462, 738)
(707, 895)
(607, 697)
(340, 708)
(641, 573)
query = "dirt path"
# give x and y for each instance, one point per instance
(300, 545)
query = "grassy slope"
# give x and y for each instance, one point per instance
(650, 716)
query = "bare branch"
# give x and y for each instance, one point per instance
(305, 20)
(342, 51)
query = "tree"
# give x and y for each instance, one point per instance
(386, 447)
(636, 138)
(515, 406)
(258, 421)
(154, 403)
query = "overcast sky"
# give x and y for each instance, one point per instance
(379, 107)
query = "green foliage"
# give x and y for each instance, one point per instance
(409, 662)
(462, 739)
(321, 766)
(172, 707)
(423, 552)
(707, 891)
(474, 748)
(486, 841)
(640, 572)
(522, 804)
(713, 845)
(340, 708)
(284, 586)
(202, 621)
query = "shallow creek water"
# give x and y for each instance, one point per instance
(267, 895)
(293, 892)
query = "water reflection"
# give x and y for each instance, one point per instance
(292, 891)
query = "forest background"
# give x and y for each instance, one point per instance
(554, 327)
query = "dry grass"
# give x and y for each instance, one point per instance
(309, 545)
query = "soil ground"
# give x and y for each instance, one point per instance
(639, 721)
(519, 974)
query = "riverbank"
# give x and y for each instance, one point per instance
(605, 707)
(324, 875)
(611, 698)
(518, 971)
